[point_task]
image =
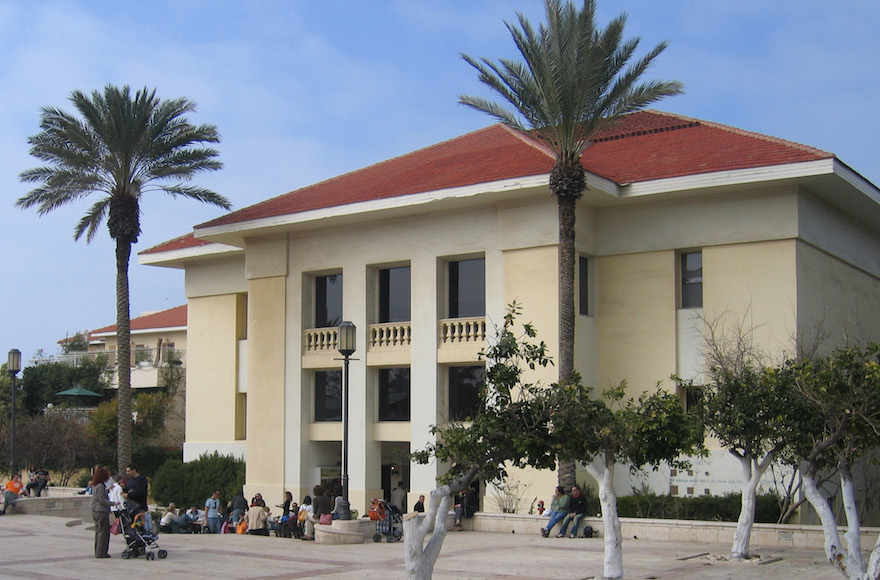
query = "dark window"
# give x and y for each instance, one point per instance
(328, 300)
(465, 384)
(394, 302)
(328, 396)
(583, 286)
(394, 394)
(692, 280)
(467, 288)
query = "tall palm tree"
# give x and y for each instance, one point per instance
(119, 148)
(573, 81)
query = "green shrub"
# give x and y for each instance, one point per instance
(149, 458)
(83, 479)
(188, 484)
(722, 508)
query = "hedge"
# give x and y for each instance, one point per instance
(190, 484)
(721, 508)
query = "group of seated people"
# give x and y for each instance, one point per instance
(569, 509)
(255, 518)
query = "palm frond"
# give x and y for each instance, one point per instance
(117, 144)
(90, 222)
(198, 193)
(573, 79)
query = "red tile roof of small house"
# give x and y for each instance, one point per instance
(643, 146)
(171, 318)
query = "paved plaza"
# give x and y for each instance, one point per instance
(52, 547)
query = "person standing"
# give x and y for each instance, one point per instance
(114, 491)
(101, 505)
(212, 513)
(136, 488)
(136, 491)
(420, 505)
(398, 496)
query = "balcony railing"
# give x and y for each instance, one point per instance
(140, 357)
(462, 330)
(320, 340)
(390, 335)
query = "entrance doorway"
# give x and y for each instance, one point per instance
(395, 467)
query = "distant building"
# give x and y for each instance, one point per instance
(158, 355)
(682, 218)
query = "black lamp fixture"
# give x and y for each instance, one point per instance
(346, 344)
(13, 365)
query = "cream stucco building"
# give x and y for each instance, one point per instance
(682, 219)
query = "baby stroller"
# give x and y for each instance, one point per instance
(389, 521)
(139, 542)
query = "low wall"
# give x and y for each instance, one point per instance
(60, 502)
(64, 502)
(769, 535)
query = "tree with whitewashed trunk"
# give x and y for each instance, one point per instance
(615, 429)
(844, 389)
(756, 415)
(751, 408)
(511, 427)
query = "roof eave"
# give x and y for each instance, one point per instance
(235, 233)
(736, 177)
(178, 258)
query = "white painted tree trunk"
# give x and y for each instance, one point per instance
(844, 561)
(420, 557)
(613, 563)
(752, 471)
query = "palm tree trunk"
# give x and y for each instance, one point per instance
(566, 210)
(123, 355)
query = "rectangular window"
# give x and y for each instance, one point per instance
(692, 280)
(328, 395)
(328, 300)
(467, 288)
(394, 394)
(465, 385)
(394, 295)
(583, 286)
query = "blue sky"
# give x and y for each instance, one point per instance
(305, 90)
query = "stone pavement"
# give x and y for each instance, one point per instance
(38, 547)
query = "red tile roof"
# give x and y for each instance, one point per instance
(643, 146)
(650, 145)
(171, 318)
(180, 243)
(490, 154)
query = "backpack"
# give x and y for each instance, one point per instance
(589, 532)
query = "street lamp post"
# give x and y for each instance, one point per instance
(13, 365)
(346, 343)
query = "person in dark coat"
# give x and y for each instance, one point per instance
(465, 507)
(101, 512)
(320, 502)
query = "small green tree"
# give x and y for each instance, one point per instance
(844, 388)
(79, 342)
(511, 427)
(601, 433)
